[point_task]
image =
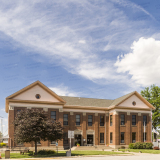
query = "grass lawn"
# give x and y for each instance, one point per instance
(63, 153)
(142, 150)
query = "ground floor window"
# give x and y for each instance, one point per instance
(122, 137)
(133, 137)
(101, 137)
(144, 136)
(53, 142)
(111, 137)
(65, 138)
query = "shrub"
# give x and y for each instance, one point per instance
(131, 145)
(156, 148)
(45, 152)
(2, 144)
(149, 145)
(141, 145)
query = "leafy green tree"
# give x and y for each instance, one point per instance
(33, 125)
(152, 95)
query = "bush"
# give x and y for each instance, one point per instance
(45, 152)
(156, 148)
(141, 145)
(2, 144)
(131, 146)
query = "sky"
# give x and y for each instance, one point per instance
(84, 48)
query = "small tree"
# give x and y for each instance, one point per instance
(34, 125)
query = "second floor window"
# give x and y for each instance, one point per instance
(133, 119)
(53, 115)
(101, 120)
(65, 119)
(144, 120)
(122, 119)
(89, 120)
(78, 120)
(110, 120)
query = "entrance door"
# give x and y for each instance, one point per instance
(90, 139)
(78, 139)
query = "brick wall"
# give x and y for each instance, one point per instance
(83, 128)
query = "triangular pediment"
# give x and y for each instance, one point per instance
(135, 101)
(30, 93)
(36, 93)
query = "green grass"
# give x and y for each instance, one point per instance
(142, 150)
(63, 153)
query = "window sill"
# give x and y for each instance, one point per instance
(52, 144)
(78, 125)
(102, 126)
(65, 125)
(122, 125)
(122, 143)
(38, 144)
(101, 143)
(134, 126)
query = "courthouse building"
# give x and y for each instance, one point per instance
(94, 121)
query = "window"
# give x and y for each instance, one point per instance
(65, 119)
(122, 137)
(65, 139)
(38, 143)
(133, 119)
(53, 142)
(110, 120)
(18, 110)
(101, 137)
(144, 120)
(144, 138)
(101, 120)
(53, 115)
(122, 119)
(78, 120)
(110, 137)
(38, 96)
(89, 120)
(133, 137)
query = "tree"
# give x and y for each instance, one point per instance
(34, 125)
(152, 95)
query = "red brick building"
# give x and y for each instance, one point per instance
(94, 121)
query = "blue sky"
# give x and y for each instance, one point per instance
(87, 48)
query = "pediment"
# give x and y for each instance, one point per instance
(134, 101)
(30, 93)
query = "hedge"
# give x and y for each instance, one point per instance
(141, 145)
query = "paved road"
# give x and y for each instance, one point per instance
(137, 156)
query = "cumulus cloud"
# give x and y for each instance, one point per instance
(63, 91)
(143, 63)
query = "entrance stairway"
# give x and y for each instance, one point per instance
(83, 148)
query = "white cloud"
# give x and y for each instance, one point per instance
(82, 41)
(143, 63)
(63, 91)
(42, 27)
